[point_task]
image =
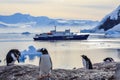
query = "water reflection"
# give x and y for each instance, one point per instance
(65, 54)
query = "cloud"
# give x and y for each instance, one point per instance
(97, 6)
(22, 1)
(60, 8)
(30, 1)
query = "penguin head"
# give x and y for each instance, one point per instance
(43, 51)
(84, 56)
(108, 59)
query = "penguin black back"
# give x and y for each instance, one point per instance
(9, 58)
(108, 59)
(87, 63)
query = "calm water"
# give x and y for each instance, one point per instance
(64, 54)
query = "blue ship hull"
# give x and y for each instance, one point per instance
(75, 37)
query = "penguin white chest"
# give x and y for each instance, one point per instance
(45, 64)
(84, 62)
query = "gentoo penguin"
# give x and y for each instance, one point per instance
(45, 63)
(86, 62)
(108, 59)
(12, 56)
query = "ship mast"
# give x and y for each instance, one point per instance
(55, 28)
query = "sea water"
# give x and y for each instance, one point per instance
(64, 54)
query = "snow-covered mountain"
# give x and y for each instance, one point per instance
(110, 24)
(109, 21)
(27, 20)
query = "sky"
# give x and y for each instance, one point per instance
(67, 9)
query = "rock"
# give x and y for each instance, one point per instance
(117, 72)
(18, 72)
(101, 71)
(26, 33)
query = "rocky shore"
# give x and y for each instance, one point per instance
(101, 71)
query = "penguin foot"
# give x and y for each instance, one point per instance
(42, 77)
(48, 75)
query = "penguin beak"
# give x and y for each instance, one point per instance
(82, 55)
(18, 56)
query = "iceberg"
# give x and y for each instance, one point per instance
(113, 32)
(31, 53)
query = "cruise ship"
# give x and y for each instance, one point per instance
(60, 35)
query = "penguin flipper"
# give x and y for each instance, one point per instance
(51, 63)
(39, 63)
